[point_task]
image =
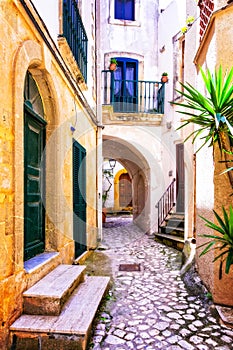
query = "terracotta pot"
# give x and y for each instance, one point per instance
(104, 212)
(112, 66)
(164, 79)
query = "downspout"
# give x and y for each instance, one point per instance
(194, 196)
(99, 124)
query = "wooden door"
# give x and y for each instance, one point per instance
(79, 198)
(125, 190)
(180, 178)
(34, 184)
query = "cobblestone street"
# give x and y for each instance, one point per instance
(153, 308)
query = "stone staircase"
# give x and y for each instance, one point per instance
(172, 231)
(59, 310)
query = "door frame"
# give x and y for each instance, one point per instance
(79, 198)
(30, 250)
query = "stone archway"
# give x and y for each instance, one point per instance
(29, 58)
(136, 166)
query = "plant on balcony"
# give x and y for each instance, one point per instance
(164, 78)
(184, 29)
(190, 20)
(213, 116)
(113, 64)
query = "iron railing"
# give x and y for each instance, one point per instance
(138, 96)
(166, 203)
(75, 34)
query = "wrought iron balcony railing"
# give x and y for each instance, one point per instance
(132, 96)
(75, 34)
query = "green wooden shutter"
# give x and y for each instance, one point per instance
(34, 184)
(79, 198)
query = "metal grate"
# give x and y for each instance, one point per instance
(129, 267)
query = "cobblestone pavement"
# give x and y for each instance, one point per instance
(153, 308)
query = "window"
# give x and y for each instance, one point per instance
(125, 85)
(124, 9)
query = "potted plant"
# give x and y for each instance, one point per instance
(107, 175)
(190, 20)
(164, 78)
(213, 114)
(223, 241)
(113, 64)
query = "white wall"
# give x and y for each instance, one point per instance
(49, 12)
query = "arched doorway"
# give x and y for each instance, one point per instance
(34, 171)
(125, 191)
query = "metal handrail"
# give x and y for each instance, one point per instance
(75, 34)
(166, 203)
(140, 96)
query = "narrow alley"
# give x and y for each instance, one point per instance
(151, 307)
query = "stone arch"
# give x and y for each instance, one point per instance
(28, 57)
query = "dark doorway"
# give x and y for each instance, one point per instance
(180, 178)
(79, 198)
(125, 191)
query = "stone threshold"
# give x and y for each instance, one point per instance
(38, 261)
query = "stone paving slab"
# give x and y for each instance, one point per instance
(153, 308)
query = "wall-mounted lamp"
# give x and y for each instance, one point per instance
(72, 129)
(112, 163)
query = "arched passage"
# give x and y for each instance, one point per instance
(137, 169)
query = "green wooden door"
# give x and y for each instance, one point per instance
(34, 185)
(79, 198)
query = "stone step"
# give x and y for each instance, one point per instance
(175, 222)
(170, 240)
(48, 296)
(68, 331)
(176, 231)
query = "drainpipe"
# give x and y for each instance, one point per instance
(99, 123)
(194, 196)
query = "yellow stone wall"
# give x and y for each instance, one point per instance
(23, 49)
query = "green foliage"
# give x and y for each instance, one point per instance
(190, 19)
(184, 29)
(164, 74)
(213, 113)
(113, 60)
(223, 241)
(209, 295)
(107, 175)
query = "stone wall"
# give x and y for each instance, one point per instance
(24, 49)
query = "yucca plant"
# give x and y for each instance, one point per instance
(213, 114)
(222, 242)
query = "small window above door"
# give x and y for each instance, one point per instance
(125, 12)
(32, 96)
(124, 9)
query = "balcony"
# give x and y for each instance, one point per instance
(73, 41)
(131, 101)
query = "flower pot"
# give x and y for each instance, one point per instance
(112, 66)
(164, 79)
(104, 214)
